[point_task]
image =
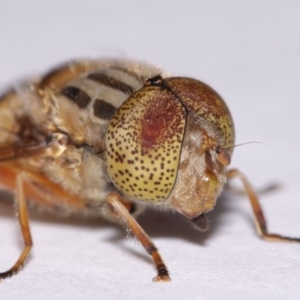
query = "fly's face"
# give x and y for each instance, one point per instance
(161, 145)
(200, 176)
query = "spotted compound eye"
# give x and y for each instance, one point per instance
(143, 144)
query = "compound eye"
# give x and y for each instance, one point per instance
(143, 144)
(223, 156)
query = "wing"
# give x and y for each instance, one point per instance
(17, 151)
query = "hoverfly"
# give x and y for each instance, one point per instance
(111, 137)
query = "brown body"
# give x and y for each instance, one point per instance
(108, 138)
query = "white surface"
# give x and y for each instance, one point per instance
(249, 52)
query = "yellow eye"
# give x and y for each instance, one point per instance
(143, 144)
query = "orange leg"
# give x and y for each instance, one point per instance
(25, 229)
(120, 213)
(41, 190)
(259, 219)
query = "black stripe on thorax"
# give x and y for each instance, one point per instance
(77, 95)
(111, 82)
(103, 110)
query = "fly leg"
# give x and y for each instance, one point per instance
(121, 214)
(259, 219)
(28, 185)
(25, 229)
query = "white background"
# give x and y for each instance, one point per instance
(249, 52)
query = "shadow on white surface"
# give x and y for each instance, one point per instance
(157, 224)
